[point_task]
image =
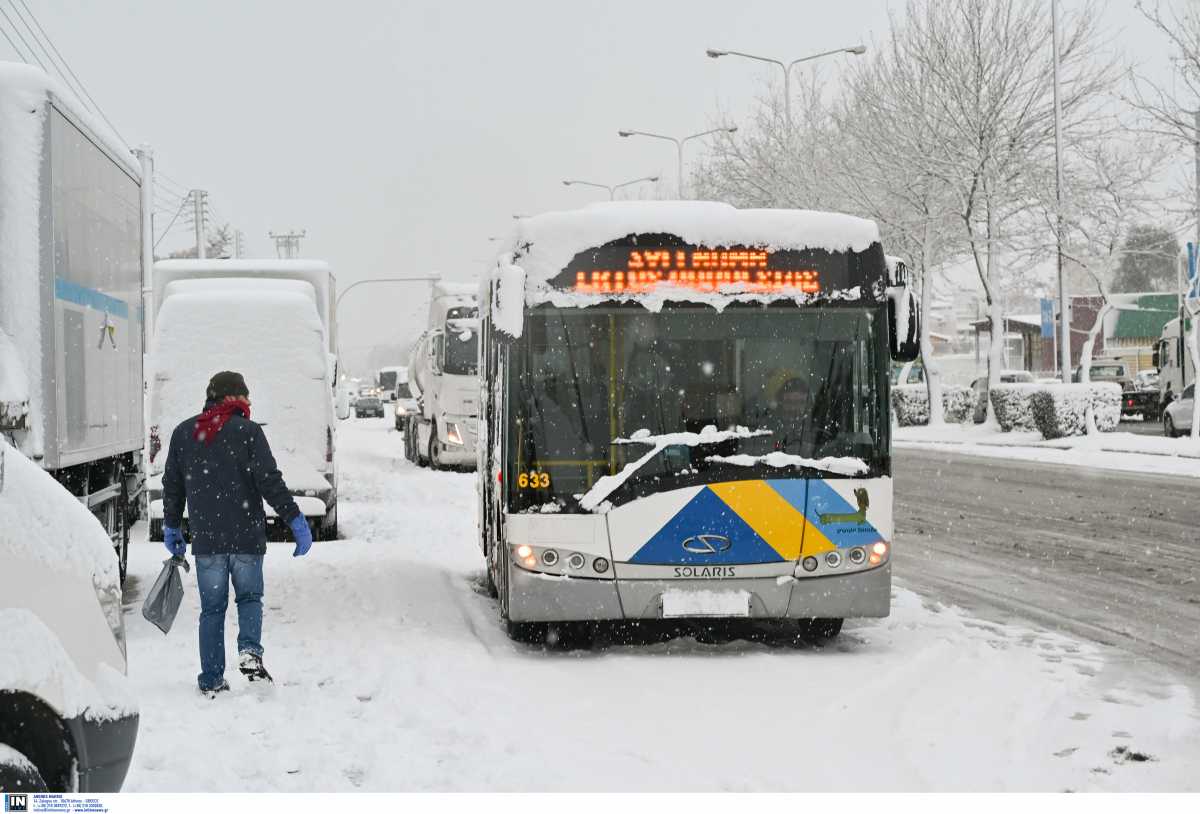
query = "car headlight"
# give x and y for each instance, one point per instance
(109, 597)
(453, 435)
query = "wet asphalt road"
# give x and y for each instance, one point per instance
(1112, 557)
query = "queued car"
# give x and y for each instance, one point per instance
(368, 407)
(1177, 416)
(1134, 401)
(68, 719)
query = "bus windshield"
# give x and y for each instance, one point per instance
(462, 350)
(807, 382)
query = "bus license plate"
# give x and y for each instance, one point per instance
(677, 604)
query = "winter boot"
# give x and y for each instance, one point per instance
(215, 691)
(252, 667)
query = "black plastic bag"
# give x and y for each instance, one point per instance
(162, 602)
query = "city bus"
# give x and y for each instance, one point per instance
(685, 416)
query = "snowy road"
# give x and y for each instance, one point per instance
(1110, 556)
(394, 674)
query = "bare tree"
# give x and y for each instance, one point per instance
(888, 169)
(990, 66)
(1176, 114)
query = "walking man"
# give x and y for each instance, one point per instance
(220, 463)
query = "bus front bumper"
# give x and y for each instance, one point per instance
(535, 597)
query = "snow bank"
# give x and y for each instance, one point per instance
(782, 460)
(1013, 407)
(1060, 410)
(910, 403)
(43, 522)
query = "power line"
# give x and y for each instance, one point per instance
(169, 225)
(16, 50)
(83, 90)
(21, 37)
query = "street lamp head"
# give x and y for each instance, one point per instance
(731, 129)
(713, 53)
(567, 183)
(857, 50)
(624, 133)
(653, 179)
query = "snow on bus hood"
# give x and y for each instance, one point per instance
(605, 486)
(782, 460)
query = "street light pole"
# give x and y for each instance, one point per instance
(678, 142)
(1064, 306)
(786, 67)
(428, 278)
(612, 188)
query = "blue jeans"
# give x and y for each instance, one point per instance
(213, 574)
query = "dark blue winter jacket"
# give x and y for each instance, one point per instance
(224, 484)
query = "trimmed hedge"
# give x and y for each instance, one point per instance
(1060, 410)
(910, 402)
(1012, 405)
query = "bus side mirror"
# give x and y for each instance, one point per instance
(904, 324)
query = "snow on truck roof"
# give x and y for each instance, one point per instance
(243, 265)
(23, 87)
(554, 238)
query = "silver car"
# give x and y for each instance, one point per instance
(1177, 418)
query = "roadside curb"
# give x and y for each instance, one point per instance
(1061, 447)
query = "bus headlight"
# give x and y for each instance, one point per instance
(857, 556)
(546, 560)
(810, 563)
(453, 436)
(833, 559)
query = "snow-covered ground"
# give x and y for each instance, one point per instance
(1124, 451)
(394, 674)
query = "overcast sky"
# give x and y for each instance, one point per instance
(401, 135)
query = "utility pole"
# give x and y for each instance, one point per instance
(238, 237)
(198, 207)
(1064, 346)
(287, 244)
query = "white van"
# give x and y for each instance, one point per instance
(269, 330)
(68, 719)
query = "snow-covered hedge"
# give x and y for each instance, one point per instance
(910, 402)
(958, 403)
(1061, 409)
(1014, 410)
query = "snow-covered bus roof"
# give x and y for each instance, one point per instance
(554, 238)
(22, 90)
(543, 247)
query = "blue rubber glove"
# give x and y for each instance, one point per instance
(174, 542)
(301, 534)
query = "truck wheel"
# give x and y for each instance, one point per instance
(435, 460)
(18, 774)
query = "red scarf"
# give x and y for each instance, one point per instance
(212, 420)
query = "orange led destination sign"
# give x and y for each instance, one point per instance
(704, 269)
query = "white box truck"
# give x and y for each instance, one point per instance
(71, 277)
(444, 380)
(273, 322)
